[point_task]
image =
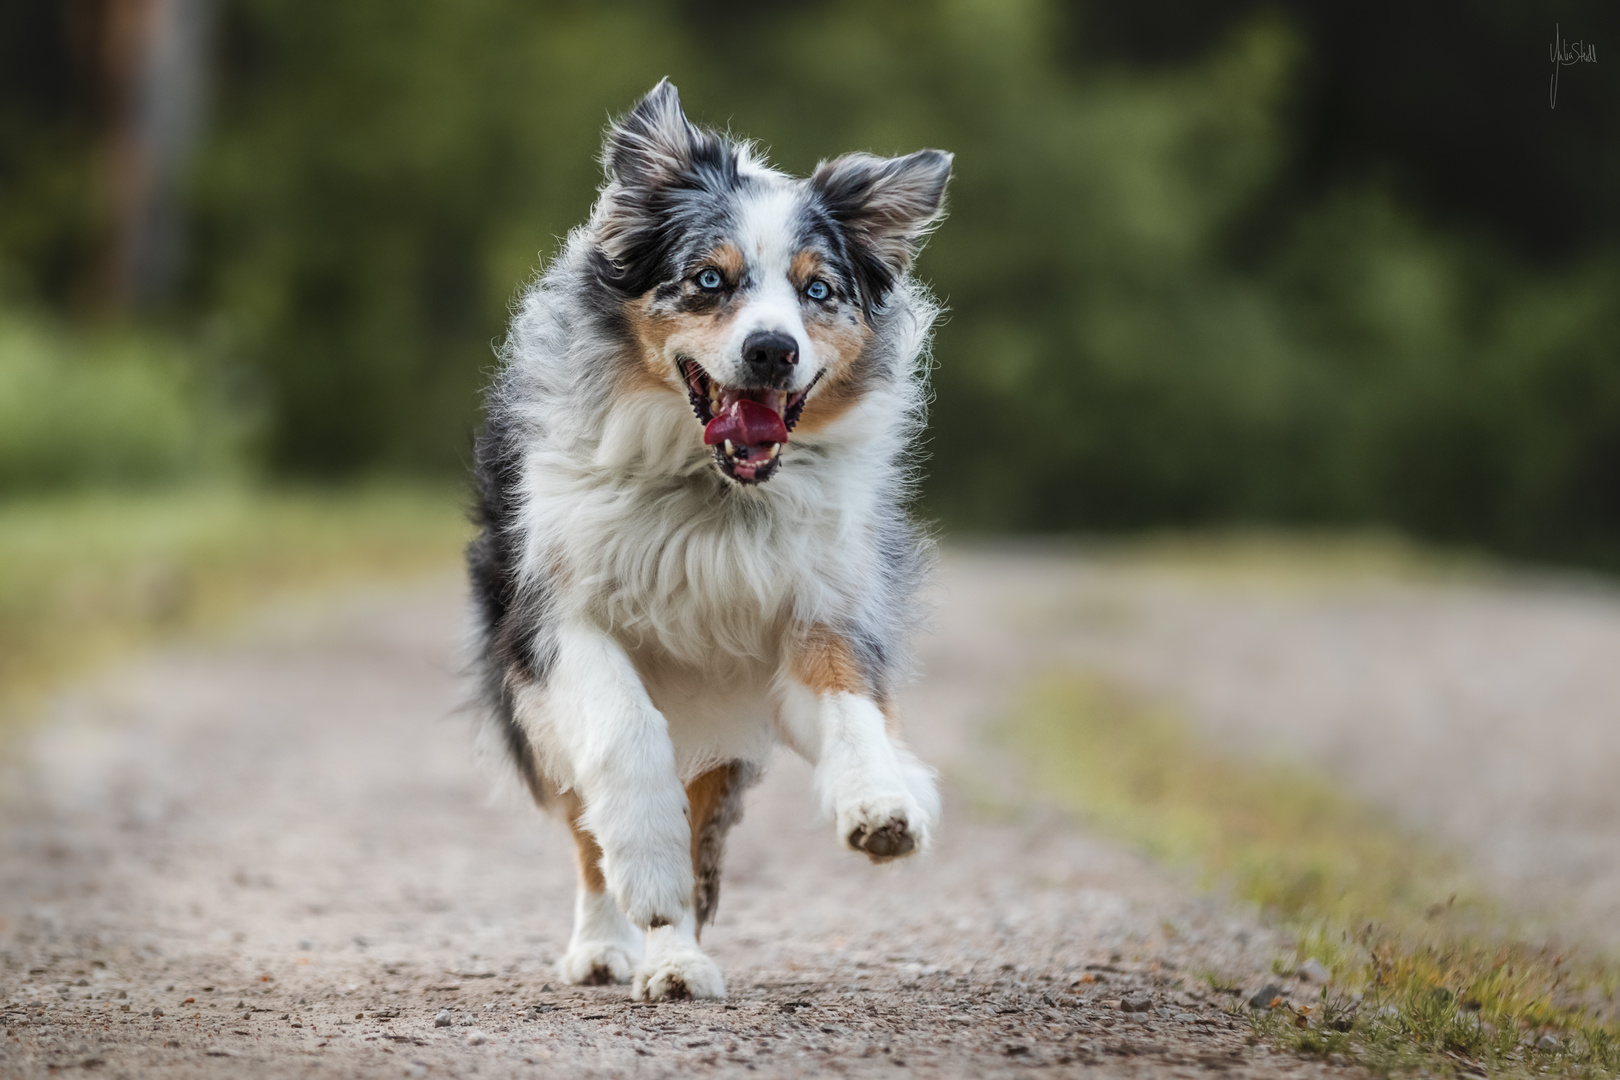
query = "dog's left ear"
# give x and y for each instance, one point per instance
(888, 205)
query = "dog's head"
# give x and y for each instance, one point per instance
(749, 292)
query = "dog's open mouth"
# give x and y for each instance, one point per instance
(747, 428)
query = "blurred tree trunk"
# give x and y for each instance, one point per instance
(144, 63)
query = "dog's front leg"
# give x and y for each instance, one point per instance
(622, 767)
(883, 800)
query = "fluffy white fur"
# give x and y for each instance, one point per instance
(701, 590)
(604, 946)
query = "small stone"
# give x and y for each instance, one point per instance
(1266, 995)
(157, 1012)
(1136, 1004)
(476, 1038)
(1186, 1018)
(1546, 1042)
(1313, 970)
(444, 1019)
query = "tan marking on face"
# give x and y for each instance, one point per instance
(660, 335)
(702, 337)
(651, 329)
(586, 850)
(728, 259)
(805, 265)
(841, 338)
(825, 662)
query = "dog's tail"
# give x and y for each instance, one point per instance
(507, 639)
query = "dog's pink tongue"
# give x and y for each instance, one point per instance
(746, 423)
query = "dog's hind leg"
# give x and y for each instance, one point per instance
(883, 799)
(604, 947)
(715, 801)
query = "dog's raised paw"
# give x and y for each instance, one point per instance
(596, 963)
(884, 829)
(678, 973)
(890, 840)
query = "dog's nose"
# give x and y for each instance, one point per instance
(770, 354)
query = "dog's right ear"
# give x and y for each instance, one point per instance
(655, 145)
(653, 157)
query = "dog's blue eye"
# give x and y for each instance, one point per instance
(817, 290)
(710, 279)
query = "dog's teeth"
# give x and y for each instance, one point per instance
(730, 450)
(776, 448)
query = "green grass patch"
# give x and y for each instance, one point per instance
(1427, 973)
(84, 575)
(82, 408)
(1296, 560)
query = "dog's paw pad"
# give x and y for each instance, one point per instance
(599, 975)
(884, 827)
(596, 963)
(665, 987)
(678, 976)
(890, 840)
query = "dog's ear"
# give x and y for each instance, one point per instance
(655, 158)
(655, 145)
(887, 205)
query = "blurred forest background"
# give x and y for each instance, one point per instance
(1323, 263)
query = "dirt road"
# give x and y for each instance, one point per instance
(273, 856)
(1481, 710)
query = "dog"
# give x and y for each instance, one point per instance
(693, 545)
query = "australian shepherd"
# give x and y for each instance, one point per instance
(693, 545)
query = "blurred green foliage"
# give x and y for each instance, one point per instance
(82, 408)
(1151, 321)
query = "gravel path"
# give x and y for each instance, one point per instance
(1483, 711)
(272, 856)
